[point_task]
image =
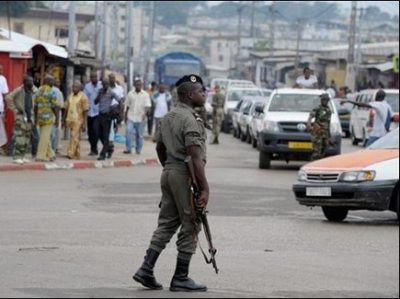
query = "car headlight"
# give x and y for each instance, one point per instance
(336, 129)
(270, 126)
(357, 176)
(302, 176)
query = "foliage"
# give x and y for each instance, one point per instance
(17, 8)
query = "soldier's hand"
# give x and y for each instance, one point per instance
(203, 200)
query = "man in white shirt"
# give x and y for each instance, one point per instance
(162, 101)
(307, 80)
(3, 91)
(137, 105)
(120, 93)
(383, 116)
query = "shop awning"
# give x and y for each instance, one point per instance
(28, 42)
(383, 67)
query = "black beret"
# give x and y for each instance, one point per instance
(189, 78)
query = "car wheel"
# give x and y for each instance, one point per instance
(335, 214)
(398, 204)
(243, 137)
(234, 132)
(225, 127)
(365, 139)
(254, 143)
(248, 140)
(354, 140)
(264, 161)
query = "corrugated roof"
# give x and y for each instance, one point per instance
(26, 41)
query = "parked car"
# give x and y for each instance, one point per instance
(257, 115)
(284, 135)
(244, 120)
(366, 179)
(344, 111)
(233, 96)
(360, 120)
(235, 119)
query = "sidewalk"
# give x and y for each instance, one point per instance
(119, 159)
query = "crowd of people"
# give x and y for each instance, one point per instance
(98, 108)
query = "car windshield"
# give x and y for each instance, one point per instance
(389, 141)
(237, 95)
(295, 102)
(393, 101)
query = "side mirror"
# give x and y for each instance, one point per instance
(259, 109)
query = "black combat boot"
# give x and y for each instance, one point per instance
(181, 282)
(145, 274)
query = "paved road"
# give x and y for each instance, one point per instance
(83, 234)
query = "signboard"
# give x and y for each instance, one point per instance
(21, 55)
(396, 63)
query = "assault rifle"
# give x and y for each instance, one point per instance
(201, 213)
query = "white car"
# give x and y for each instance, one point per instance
(284, 135)
(366, 179)
(361, 117)
(232, 97)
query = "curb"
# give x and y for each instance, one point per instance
(79, 165)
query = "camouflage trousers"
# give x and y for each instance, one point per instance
(22, 135)
(74, 149)
(217, 118)
(320, 144)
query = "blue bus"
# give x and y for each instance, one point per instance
(170, 67)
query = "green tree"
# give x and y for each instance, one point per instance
(16, 8)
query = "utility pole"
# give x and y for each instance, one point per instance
(150, 40)
(359, 42)
(252, 33)
(96, 30)
(114, 33)
(239, 33)
(128, 36)
(299, 26)
(272, 27)
(71, 45)
(103, 35)
(350, 71)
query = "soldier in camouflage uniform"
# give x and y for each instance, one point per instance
(218, 102)
(181, 134)
(20, 101)
(320, 129)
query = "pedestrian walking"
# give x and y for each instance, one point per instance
(320, 128)
(46, 115)
(138, 104)
(150, 113)
(383, 115)
(76, 108)
(181, 134)
(104, 99)
(162, 101)
(218, 102)
(3, 91)
(20, 101)
(55, 132)
(91, 90)
(118, 117)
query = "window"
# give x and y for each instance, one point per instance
(19, 27)
(221, 58)
(61, 32)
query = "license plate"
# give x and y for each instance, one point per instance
(320, 191)
(300, 145)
